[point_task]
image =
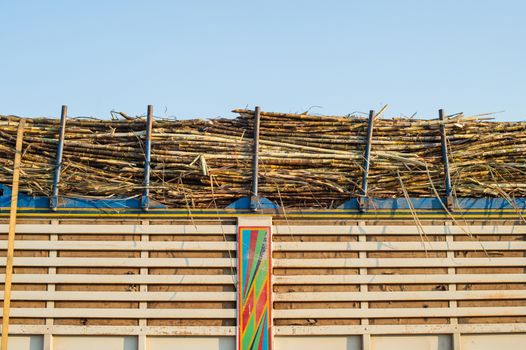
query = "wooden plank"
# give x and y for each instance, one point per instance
(11, 234)
(125, 313)
(122, 296)
(399, 230)
(399, 262)
(278, 330)
(400, 329)
(125, 262)
(124, 245)
(400, 279)
(125, 330)
(398, 246)
(123, 229)
(277, 279)
(392, 296)
(292, 263)
(400, 312)
(278, 230)
(279, 246)
(122, 279)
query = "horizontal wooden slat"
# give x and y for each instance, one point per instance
(278, 330)
(391, 296)
(125, 262)
(398, 262)
(122, 245)
(122, 296)
(400, 230)
(277, 230)
(121, 279)
(398, 246)
(400, 329)
(400, 312)
(124, 330)
(122, 229)
(123, 313)
(292, 263)
(279, 246)
(399, 279)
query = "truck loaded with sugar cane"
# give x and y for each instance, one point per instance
(264, 231)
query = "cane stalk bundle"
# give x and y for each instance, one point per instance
(305, 160)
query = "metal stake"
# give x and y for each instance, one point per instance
(53, 203)
(367, 155)
(254, 197)
(145, 200)
(445, 159)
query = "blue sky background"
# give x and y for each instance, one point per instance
(204, 58)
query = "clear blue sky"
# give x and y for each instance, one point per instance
(204, 58)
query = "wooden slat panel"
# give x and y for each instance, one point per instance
(399, 262)
(400, 312)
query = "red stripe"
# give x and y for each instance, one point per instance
(263, 298)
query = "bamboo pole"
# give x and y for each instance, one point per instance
(11, 236)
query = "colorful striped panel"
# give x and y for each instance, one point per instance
(254, 288)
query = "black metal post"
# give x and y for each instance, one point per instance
(366, 160)
(145, 200)
(445, 159)
(254, 196)
(53, 203)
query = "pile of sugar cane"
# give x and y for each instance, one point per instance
(305, 160)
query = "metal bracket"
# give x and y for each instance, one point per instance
(363, 204)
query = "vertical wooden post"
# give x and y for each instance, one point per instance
(145, 200)
(58, 161)
(254, 195)
(11, 234)
(445, 159)
(366, 161)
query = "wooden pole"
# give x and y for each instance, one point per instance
(11, 235)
